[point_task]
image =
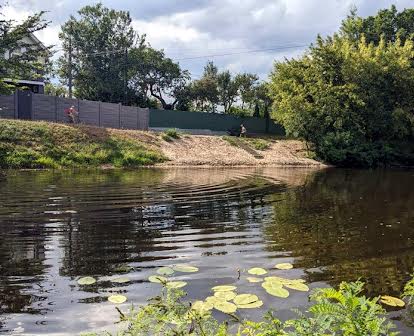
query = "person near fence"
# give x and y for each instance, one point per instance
(73, 115)
(243, 131)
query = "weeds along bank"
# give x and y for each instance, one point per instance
(342, 311)
(27, 144)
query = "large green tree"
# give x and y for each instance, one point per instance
(22, 60)
(96, 44)
(155, 75)
(353, 100)
(388, 24)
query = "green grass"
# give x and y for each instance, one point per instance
(27, 144)
(170, 134)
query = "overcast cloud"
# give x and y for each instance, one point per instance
(190, 30)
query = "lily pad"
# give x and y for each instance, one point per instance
(213, 299)
(157, 279)
(244, 299)
(275, 290)
(176, 284)
(257, 271)
(297, 286)
(225, 307)
(284, 266)
(117, 299)
(226, 296)
(86, 281)
(224, 288)
(185, 268)
(165, 271)
(254, 280)
(252, 305)
(202, 306)
(121, 280)
(392, 301)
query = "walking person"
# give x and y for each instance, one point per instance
(243, 131)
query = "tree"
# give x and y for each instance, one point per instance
(388, 24)
(99, 40)
(56, 90)
(158, 76)
(204, 92)
(228, 90)
(246, 84)
(27, 62)
(353, 101)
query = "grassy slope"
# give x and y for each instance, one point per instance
(27, 144)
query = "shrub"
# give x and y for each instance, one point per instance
(351, 100)
(173, 133)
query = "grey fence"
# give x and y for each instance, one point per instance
(51, 108)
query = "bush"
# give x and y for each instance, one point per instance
(173, 133)
(351, 100)
(333, 312)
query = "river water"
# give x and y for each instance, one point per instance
(333, 225)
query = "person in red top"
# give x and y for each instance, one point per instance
(73, 115)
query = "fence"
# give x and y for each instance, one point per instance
(211, 121)
(24, 105)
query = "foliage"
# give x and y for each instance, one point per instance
(333, 312)
(388, 24)
(56, 90)
(25, 144)
(255, 143)
(170, 134)
(99, 39)
(25, 60)
(353, 101)
(152, 73)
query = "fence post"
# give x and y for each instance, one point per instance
(56, 113)
(16, 105)
(99, 113)
(119, 116)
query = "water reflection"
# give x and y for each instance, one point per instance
(333, 225)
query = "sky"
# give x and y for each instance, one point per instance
(238, 35)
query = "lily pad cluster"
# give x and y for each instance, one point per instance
(277, 286)
(117, 299)
(166, 271)
(226, 300)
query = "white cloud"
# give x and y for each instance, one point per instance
(215, 27)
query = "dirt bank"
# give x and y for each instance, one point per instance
(199, 150)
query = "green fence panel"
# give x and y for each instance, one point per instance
(210, 121)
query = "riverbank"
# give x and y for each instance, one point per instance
(28, 144)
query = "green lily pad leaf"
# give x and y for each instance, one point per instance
(278, 291)
(275, 280)
(86, 281)
(392, 301)
(226, 296)
(117, 299)
(121, 280)
(257, 271)
(176, 284)
(244, 299)
(202, 306)
(224, 288)
(284, 266)
(252, 305)
(157, 279)
(254, 280)
(165, 271)
(185, 268)
(297, 286)
(213, 299)
(225, 307)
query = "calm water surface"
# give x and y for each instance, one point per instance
(332, 225)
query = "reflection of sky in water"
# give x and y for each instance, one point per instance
(56, 227)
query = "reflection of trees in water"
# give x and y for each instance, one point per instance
(343, 225)
(108, 232)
